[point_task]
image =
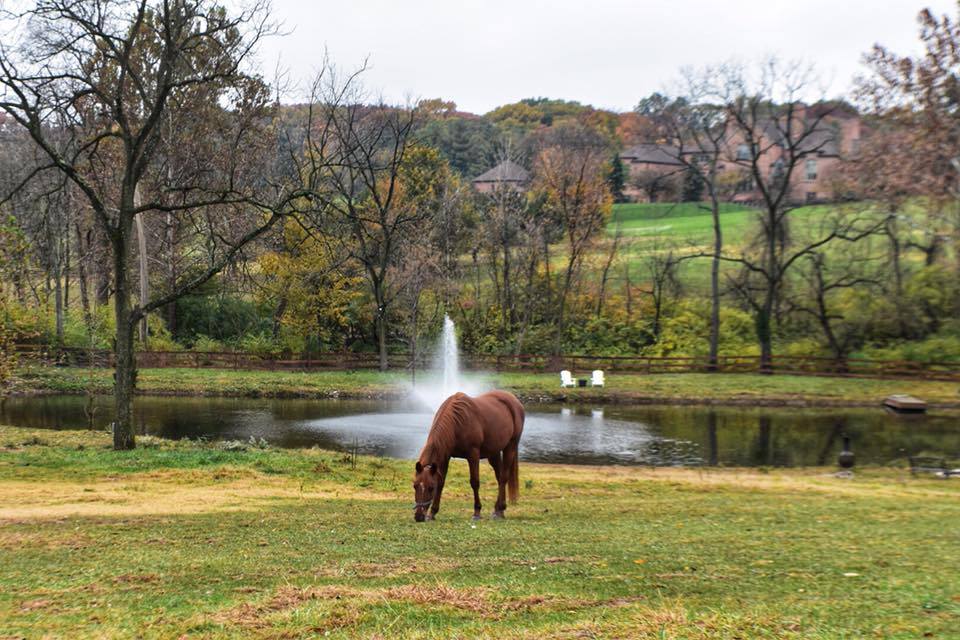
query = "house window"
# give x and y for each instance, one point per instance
(811, 197)
(811, 169)
(743, 152)
(777, 169)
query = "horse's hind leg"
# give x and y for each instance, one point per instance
(474, 461)
(496, 462)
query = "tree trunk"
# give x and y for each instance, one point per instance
(764, 336)
(382, 339)
(381, 321)
(715, 287)
(58, 306)
(170, 311)
(125, 365)
(144, 278)
(82, 277)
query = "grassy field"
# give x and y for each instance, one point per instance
(679, 221)
(658, 388)
(183, 540)
(687, 227)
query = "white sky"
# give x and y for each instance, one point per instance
(609, 53)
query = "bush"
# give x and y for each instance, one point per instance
(220, 317)
(205, 344)
(260, 344)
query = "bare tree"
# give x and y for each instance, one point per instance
(818, 299)
(367, 204)
(504, 217)
(772, 132)
(92, 84)
(698, 126)
(570, 172)
(662, 265)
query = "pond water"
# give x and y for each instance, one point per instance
(577, 434)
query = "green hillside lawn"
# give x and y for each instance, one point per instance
(687, 227)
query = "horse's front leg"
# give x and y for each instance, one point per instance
(436, 499)
(474, 461)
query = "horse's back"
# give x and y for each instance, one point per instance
(504, 412)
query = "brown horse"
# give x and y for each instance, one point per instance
(488, 426)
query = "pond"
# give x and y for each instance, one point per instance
(576, 434)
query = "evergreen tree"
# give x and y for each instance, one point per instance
(692, 187)
(617, 179)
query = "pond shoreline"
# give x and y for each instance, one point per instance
(623, 398)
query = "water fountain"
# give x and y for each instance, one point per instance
(449, 358)
(445, 378)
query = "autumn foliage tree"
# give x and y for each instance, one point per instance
(571, 174)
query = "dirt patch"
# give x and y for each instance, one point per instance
(34, 605)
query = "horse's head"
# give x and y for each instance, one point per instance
(425, 482)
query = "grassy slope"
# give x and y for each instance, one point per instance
(666, 388)
(686, 227)
(180, 538)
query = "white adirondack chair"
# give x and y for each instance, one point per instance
(566, 379)
(597, 379)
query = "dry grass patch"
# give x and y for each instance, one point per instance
(350, 603)
(161, 493)
(388, 569)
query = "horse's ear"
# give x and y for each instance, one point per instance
(419, 467)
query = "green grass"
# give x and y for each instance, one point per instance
(621, 387)
(189, 540)
(687, 228)
(680, 221)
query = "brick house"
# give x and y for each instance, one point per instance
(648, 163)
(837, 136)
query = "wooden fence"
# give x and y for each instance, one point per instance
(579, 365)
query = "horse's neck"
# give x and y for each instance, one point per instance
(434, 453)
(437, 450)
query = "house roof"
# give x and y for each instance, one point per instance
(653, 154)
(506, 171)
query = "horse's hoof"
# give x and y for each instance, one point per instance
(430, 517)
(477, 516)
(498, 515)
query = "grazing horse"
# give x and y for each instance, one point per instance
(488, 426)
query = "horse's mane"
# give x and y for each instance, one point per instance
(443, 433)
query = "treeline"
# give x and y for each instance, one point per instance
(157, 194)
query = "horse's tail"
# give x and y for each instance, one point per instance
(513, 483)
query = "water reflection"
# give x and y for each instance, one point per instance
(573, 434)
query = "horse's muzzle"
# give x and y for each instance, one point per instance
(419, 516)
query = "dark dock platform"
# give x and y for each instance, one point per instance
(903, 403)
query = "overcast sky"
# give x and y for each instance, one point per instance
(609, 53)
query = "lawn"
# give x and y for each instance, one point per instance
(184, 540)
(687, 228)
(621, 387)
(685, 222)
